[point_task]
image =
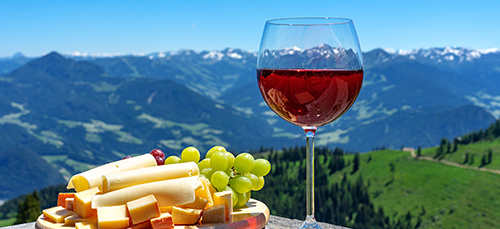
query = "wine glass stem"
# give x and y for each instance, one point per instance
(310, 131)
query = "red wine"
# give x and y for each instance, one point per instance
(309, 97)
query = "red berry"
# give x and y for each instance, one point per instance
(160, 161)
(157, 153)
(126, 157)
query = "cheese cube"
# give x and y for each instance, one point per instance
(143, 209)
(83, 201)
(199, 203)
(215, 214)
(86, 225)
(165, 221)
(73, 219)
(112, 217)
(226, 199)
(205, 192)
(185, 215)
(69, 203)
(57, 214)
(61, 199)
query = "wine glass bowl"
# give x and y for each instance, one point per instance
(309, 72)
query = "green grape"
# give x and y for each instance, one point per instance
(254, 179)
(244, 163)
(229, 172)
(234, 195)
(218, 161)
(215, 149)
(230, 159)
(242, 199)
(240, 184)
(190, 154)
(205, 163)
(219, 180)
(261, 168)
(260, 185)
(172, 160)
(207, 172)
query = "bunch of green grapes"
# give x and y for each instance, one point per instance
(240, 175)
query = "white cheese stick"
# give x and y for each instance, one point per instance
(115, 181)
(167, 193)
(93, 177)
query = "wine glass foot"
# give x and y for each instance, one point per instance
(310, 223)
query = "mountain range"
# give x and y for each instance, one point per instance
(61, 114)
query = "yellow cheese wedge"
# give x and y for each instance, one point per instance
(57, 214)
(143, 209)
(86, 225)
(166, 209)
(93, 177)
(215, 214)
(185, 215)
(125, 179)
(112, 217)
(205, 192)
(83, 201)
(167, 193)
(165, 221)
(226, 199)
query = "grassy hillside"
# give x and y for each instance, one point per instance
(446, 196)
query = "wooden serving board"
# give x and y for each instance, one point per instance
(254, 216)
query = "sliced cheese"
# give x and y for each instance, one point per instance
(75, 218)
(143, 209)
(93, 177)
(198, 203)
(215, 214)
(165, 221)
(225, 199)
(205, 193)
(143, 225)
(125, 179)
(61, 199)
(167, 193)
(83, 201)
(57, 214)
(86, 225)
(185, 215)
(112, 217)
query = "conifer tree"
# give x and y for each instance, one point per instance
(29, 209)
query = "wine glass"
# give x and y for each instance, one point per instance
(310, 72)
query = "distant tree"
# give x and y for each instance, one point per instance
(419, 151)
(466, 158)
(29, 209)
(483, 161)
(490, 156)
(455, 145)
(356, 162)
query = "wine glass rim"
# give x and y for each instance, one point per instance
(307, 21)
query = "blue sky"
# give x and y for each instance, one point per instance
(128, 27)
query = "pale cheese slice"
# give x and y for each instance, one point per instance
(167, 193)
(225, 199)
(93, 177)
(115, 181)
